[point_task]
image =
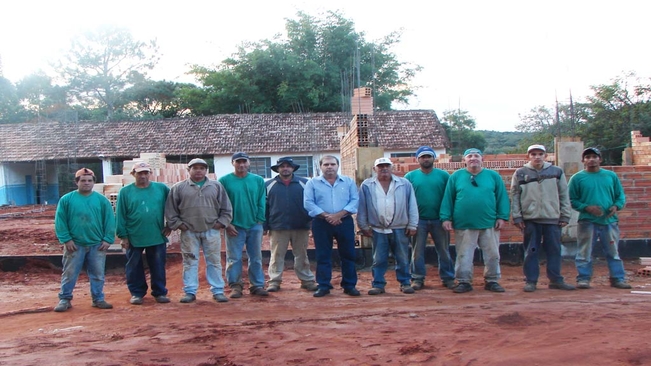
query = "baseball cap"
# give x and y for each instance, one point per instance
(591, 150)
(84, 171)
(536, 147)
(141, 166)
(197, 161)
(239, 155)
(472, 150)
(425, 150)
(383, 161)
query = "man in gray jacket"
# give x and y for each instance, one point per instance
(388, 213)
(540, 206)
(200, 208)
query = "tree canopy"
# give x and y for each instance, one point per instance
(460, 128)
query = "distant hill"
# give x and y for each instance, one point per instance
(498, 142)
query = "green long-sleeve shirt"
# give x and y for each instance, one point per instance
(140, 214)
(86, 220)
(602, 188)
(429, 189)
(475, 207)
(248, 197)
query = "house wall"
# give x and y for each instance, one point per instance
(18, 184)
(223, 166)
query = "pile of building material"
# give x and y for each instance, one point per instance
(646, 271)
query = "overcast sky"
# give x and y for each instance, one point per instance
(495, 59)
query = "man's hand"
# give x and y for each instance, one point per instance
(595, 211)
(184, 227)
(125, 243)
(562, 223)
(612, 210)
(499, 224)
(520, 225)
(104, 246)
(447, 225)
(167, 231)
(335, 218)
(411, 232)
(367, 232)
(231, 230)
(217, 225)
(70, 246)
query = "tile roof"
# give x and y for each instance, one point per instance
(219, 134)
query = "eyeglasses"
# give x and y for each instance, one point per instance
(473, 182)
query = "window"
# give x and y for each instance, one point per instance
(402, 155)
(306, 163)
(261, 167)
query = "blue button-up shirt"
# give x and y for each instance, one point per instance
(320, 196)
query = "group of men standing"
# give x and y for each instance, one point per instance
(395, 212)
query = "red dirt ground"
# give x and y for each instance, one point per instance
(600, 326)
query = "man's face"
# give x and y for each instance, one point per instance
(329, 167)
(591, 161)
(241, 166)
(142, 178)
(285, 170)
(537, 157)
(85, 184)
(473, 160)
(384, 171)
(426, 161)
(198, 172)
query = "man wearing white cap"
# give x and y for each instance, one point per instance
(540, 206)
(141, 227)
(388, 213)
(476, 205)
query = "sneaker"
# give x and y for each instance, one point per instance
(462, 287)
(188, 298)
(62, 306)
(417, 285)
(561, 286)
(220, 298)
(376, 291)
(310, 286)
(162, 299)
(407, 289)
(236, 292)
(493, 286)
(583, 284)
(274, 287)
(351, 292)
(136, 300)
(621, 284)
(258, 291)
(449, 284)
(530, 287)
(102, 305)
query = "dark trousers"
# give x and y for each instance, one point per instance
(323, 234)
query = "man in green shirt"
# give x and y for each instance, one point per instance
(85, 224)
(597, 194)
(248, 196)
(141, 226)
(477, 206)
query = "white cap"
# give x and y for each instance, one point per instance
(536, 147)
(383, 161)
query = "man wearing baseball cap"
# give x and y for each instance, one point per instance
(429, 185)
(248, 196)
(476, 205)
(200, 208)
(141, 227)
(85, 224)
(388, 213)
(597, 195)
(540, 206)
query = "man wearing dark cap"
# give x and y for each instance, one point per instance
(85, 224)
(477, 206)
(429, 185)
(540, 206)
(597, 195)
(247, 194)
(287, 221)
(141, 227)
(200, 208)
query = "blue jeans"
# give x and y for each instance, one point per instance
(398, 243)
(135, 270)
(95, 260)
(344, 233)
(252, 238)
(548, 238)
(441, 240)
(211, 244)
(587, 236)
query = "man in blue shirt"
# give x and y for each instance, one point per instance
(331, 199)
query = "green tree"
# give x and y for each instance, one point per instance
(155, 99)
(459, 126)
(39, 96)
(314, 69)
(10, 108)
(100, 65)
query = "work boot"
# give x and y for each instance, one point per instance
(493, 287)
(236, 292)
(101, 304)
(188, 298)
(561, 286)
(62, 306)
(583, 284)
(308, 285)
(620, 284)
(462, 287)
(162, 299)
(376, 291)
(273, 287)
(136, 300)
(417, 285)
(258, 291)
(407, 289)
(530, 287)
(220, 298)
